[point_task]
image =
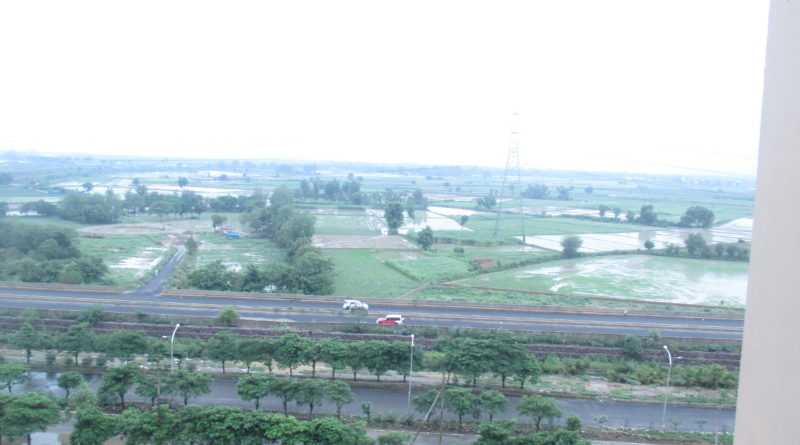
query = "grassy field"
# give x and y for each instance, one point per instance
(236, 253)
(343, 222)
(361, 274)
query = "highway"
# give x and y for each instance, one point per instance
(417, 313)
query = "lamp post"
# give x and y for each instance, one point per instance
(410, 369)
(172, 348)
(669, 374)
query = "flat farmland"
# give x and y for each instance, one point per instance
(360, 274)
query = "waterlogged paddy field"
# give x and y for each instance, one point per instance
(641, 277)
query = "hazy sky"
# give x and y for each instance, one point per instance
(633, 85)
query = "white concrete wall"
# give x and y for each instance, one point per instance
(769, 389)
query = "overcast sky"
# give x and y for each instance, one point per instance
(623, 85)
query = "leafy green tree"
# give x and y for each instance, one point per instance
(487, 202)
(29, 339)
(535, 191)
(124, 344)
(88, 186)
(217, 221)
(299, 226)
(12, 373)
(564, 192)
(356, 357)
(339, 393)
(284, 389)
(334, 353)
(253, 279)
(649, 245)
(366, 408)
(182, 182)
(376, 357)
(422, 402)
(329, 431)
(156, 426)
(311, 393)
(647, 215)
(212, 276)
(249, 350)
(151, 386)
(222, 347)
(493, 402)
(188, 384)
(93, 427)
(538, 408)
(696, 245)
(574, 423)
(496, 433)
(527, 369)
(27, 413)
(228, 316)
(632, 347)
(393, 213)
(570, 245)
(463, 221)
(254, 387)
(461, 401)
(425, 238)
(697, 216)
(505, 355)
(78, 338)
(191, 246)
(291, 351)
(69, 380)
(118, 381)
(602, 209)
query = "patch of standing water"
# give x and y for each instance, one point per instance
(740, 229)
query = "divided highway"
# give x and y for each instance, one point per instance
(418, 313)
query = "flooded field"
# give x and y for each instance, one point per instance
(606, 242)
(640, 277)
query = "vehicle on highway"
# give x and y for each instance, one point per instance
(354, 304)
(391, 319)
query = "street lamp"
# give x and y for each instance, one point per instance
(666, 392)
(410, 369)
(172, 348)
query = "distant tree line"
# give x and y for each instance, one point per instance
(45, 254)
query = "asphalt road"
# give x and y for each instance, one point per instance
(454, 315)
(619, 414)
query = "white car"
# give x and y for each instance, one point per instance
(354, 304)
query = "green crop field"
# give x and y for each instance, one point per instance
(236, 253)
(360, 274)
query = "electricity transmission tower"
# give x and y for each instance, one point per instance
(512, 178)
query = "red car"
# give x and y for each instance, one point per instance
(391, 319)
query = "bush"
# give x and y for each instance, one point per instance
(100, 361)
(632, 347)
(50, 358)
(393, 438)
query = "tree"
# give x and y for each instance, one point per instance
(496, 433)
(69, 380)
(461, 401)
(221, 347)
(78, 338)
(212, 276)
(632, 347)
(151, 386)
(393, 213)
(217, 221)
(191, 246)
(188, 384)
(493, 402)
(124, 345)
(649, 245)
(538, 408)
(425, 238)
(589, 189)
(284, 389)
(254, 387)
(28, 338)
(574, 423)
(12, 373)
(88, 186)
(570, 245)
(182, 182)
(647, 215)
(228, 316)
(536, 191)
(487, 202)
(696, 244)
(291, 351)
(376, 358)
(334, 353)
(27, 413)
(93, 427)
(463, 220)
(564, 193)
(697, 216)
(339, 393)
(602, 209)
(118, 381)
(410, 212)
(527, 369)
(329, 431)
